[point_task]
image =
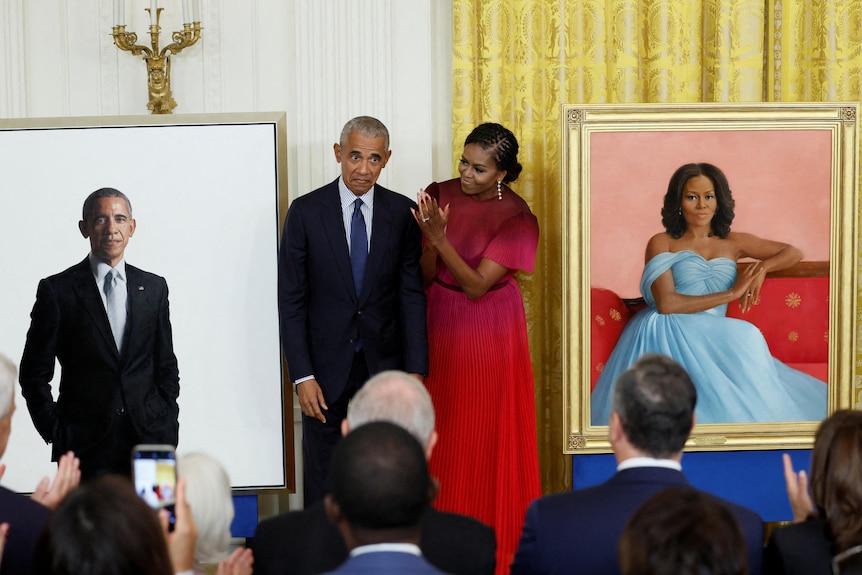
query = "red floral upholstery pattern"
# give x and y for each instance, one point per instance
(609, 316)
(793, 316)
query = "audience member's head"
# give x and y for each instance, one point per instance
(836, 476)
(103, 528)
(653, 406)
(396, 397)
(209, 495)
(8, 374)
(380, 485)
(682, 532)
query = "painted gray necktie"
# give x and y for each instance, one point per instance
(115, 306)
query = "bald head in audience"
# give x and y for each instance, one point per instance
(398, 398)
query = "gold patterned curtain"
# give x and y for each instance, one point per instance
(516, 61)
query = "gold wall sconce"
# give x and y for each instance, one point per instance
(161, 100)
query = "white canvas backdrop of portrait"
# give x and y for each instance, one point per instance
(205, 198)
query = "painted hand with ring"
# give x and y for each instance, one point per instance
(751, 279)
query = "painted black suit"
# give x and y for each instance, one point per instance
(104, 396)
(322, 316)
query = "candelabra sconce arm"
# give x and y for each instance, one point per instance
(158, 62)
(189, 36)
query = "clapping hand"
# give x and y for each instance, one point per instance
(432, 219)
(797, 491)
(50, 493)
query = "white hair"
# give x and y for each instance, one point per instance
(398, 398)
(8, 375)
(209, 496)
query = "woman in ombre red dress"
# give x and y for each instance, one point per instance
(478, 233)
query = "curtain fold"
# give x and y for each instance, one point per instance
(516, 61)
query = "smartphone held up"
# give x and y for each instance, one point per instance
(154, 472)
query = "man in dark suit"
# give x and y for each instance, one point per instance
(108, 324)
(22, 517)
(380, 490)
(351, 302)
(306, 543)
(652, 414)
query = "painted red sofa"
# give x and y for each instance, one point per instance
(793, 316)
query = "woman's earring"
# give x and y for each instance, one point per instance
(679, 211)
(499, 190)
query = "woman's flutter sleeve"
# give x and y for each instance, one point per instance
(515, 244)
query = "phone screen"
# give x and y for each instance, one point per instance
(154, 469)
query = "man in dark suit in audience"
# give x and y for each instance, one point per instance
(22, 517)
(652, 414)
(351, 302)
(306, 543)
(380, 491)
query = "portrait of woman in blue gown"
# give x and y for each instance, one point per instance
(688, 281)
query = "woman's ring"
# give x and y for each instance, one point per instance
(425, 219)
(749, 294)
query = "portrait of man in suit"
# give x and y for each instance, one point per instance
(351, 302)
(108, 325)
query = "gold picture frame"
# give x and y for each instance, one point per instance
(610, 142)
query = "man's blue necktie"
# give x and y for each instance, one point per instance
(358, 246)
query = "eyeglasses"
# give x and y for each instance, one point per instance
(844, 556)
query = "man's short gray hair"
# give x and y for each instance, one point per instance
(398, 398)
(655, 401)
(8, 375)
(365, 126)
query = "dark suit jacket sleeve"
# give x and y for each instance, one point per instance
(293, 293)
(167, 375)
(799, 549)
(297, 543)
(458, 544)
(752, 530)
(412, 301)
(527, 554)
(37, 363)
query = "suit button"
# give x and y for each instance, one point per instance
(119, 411)
(359, 312)
(352, 340)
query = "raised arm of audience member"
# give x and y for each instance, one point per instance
(49, 493)
(181, 541)
(797, 490)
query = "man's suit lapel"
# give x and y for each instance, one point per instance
(332, 224)
(85, 288)
(138, 304)
(381, 231)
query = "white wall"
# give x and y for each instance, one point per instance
(320, 61)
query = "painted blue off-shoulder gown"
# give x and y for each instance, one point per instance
(736, 377)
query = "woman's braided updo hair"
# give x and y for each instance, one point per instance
(501, 143)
